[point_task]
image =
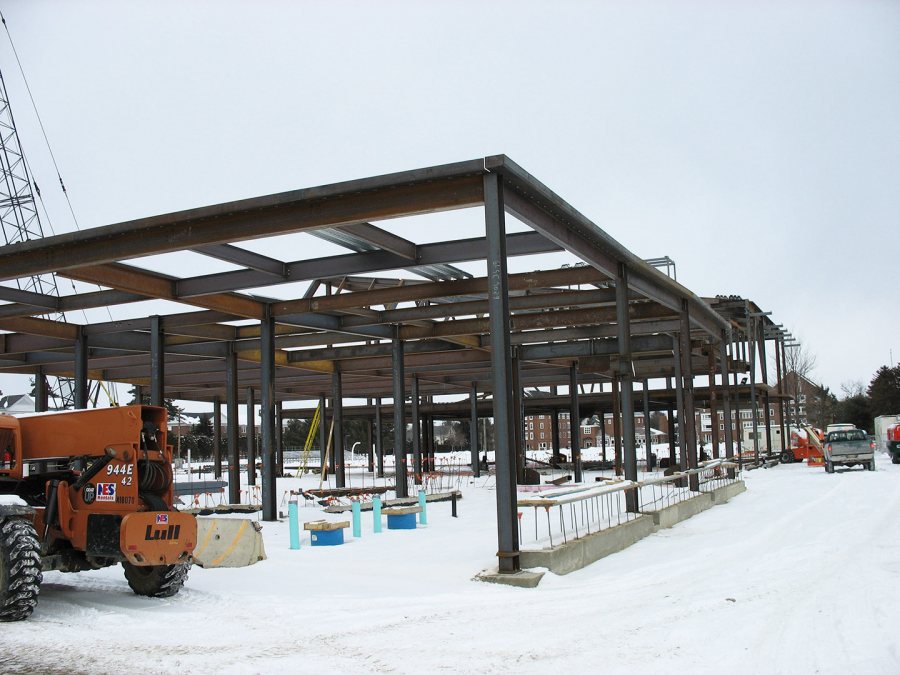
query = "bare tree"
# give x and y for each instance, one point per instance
(799, 362)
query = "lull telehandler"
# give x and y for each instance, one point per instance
(86, 489)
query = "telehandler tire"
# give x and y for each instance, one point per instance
(20, 569)
(156, 581)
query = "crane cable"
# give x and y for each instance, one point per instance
(40, 122)
(110, 392)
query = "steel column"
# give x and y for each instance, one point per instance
(323, 435)
(554, 433)
(379, 440)
(232, 428)
(763, 364)
(157, 361)
(416, 432)
(726, 400)
(217, 437)
(751, 346)
(648, 435)
(279, 439)
(504, 415)
(713, 401)
(251, 437)
(41, 391)
(519, 418)
(81, 370)
(626, 379)
(473, 430)
(267, 416)
(779, 373)
(337, 441)
(689, 430)
(575, 417)
(401, 487)
(617, 424)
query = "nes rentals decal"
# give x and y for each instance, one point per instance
(162, 519)
(106, 492)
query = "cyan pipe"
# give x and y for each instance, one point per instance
(357, 525)
(376, 512)
(294, 524)
(423, 516)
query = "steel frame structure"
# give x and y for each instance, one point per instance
(359, 331)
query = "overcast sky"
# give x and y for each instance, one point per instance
(755, 143)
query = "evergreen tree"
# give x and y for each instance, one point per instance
(884, 391)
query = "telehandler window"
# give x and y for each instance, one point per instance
(7, 458)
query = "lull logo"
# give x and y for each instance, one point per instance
(165, 534)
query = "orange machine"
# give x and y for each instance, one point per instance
(806, 445)
(86, 489)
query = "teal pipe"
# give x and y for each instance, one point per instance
(294, 525)
(357, 526)
(423, 516)
(376, 512)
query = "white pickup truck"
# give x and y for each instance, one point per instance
(848, 447)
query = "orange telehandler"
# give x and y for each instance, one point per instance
(86, 489)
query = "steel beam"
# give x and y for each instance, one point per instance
(250, 219)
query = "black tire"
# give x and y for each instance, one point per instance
(20, 569)
(156, 581)
(787, 457)
(895, 458)
(872, 465)
(829, 467)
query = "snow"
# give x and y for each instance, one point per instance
(797, 575)
(12, 500)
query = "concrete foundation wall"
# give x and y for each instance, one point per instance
(671, 515)
(581, 552)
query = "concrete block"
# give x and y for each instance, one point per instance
(520, 579)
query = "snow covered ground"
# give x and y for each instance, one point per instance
(800, 574)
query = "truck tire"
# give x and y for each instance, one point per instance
(829, 467)
(787, 457)
(156, 581)
(895, 458)
(20, 569)
(871, 466)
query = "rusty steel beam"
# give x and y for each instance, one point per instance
(404, 194)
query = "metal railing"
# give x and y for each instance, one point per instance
(556, 516)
